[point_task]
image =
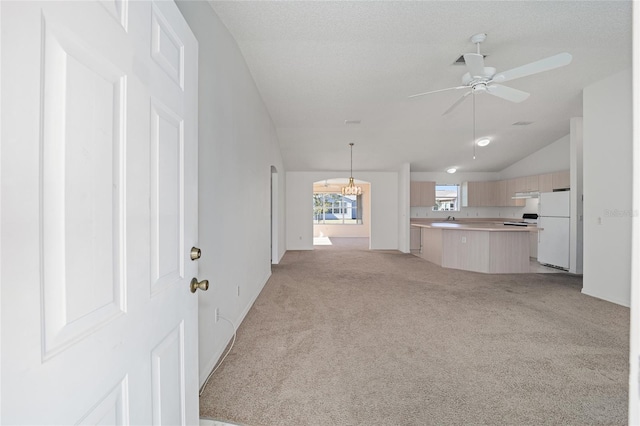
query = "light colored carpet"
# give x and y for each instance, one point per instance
(358, 337)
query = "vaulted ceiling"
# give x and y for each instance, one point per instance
(318, 64)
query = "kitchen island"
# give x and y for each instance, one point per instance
(486, 246)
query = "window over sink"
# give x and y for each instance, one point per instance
(447, 197)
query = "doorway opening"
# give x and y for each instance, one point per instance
(339, 220)
(274, 216)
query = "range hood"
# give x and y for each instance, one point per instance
(523, 195)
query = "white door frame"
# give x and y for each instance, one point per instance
(634, 332)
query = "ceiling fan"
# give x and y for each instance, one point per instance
(481, 79)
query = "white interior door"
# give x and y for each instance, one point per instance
(99, 213)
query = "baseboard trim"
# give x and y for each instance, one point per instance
(625, 303)
(216, 357)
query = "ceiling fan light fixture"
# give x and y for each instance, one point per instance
(452, 170)
(482, 79)
(484, 141)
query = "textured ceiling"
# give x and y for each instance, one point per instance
(319, 63)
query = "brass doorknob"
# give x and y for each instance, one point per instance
(202, 285)
(195, 253)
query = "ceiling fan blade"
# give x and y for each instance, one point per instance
(546, 64)
(441, 90)
(508, 93)
(475, 64)
(456, 103)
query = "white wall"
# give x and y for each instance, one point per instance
(576, 171)
(554, 157)
(237, 147)
(404, 185)
(634, 344)
(607, 154)
(385, 208)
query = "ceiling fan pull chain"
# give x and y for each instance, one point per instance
(474, 126)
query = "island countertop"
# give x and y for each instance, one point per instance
(487, 245)
(477, 226)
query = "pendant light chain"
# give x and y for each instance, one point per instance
(351, 148)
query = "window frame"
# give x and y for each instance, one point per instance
(456, 201)
(337, 207)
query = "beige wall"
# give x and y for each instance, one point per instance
(361, 230)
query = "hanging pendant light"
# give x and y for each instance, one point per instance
(351, 188)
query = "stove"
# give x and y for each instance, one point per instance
(528, 219)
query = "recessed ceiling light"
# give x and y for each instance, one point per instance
(484, 142)
(451, 170)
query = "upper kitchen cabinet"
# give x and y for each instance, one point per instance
(519, 184)
(553, 181)
(561, 180)
(513, 186)
(532, 183)
(545, 182)
(502, 197)
(500, 193)
(526, 184)
(481, 194)
(491, 193)
(422, 194)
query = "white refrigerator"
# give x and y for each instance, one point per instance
(554, 210)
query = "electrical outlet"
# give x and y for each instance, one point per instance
(217, 314)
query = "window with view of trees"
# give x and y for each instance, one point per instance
(330, 208)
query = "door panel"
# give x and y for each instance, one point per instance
(83, 103)
(166, 47)
(167, 193)
(99, 196)
(118, 9)
(112, 409)
(168, 379)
